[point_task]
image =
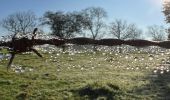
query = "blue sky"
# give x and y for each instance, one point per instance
(141, 12)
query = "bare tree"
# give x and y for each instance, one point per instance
(121, 30)
(135, 32)
(94, 17)
(20, 22)
(157, 32)
(94, 22)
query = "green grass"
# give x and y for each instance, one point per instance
(85, 76)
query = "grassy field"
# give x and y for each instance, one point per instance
(86, 76)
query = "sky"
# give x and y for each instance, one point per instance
(141, 12)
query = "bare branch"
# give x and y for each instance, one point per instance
(121, 30)
(157, 32)
(20, 22)
(94, 17)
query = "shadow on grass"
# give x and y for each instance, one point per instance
(94, 93)
(21, 96)
(97, 91)
(158, 87)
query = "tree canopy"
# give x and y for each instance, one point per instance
(166, 10)
(63, 25)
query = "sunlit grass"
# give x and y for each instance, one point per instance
(69, 76)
